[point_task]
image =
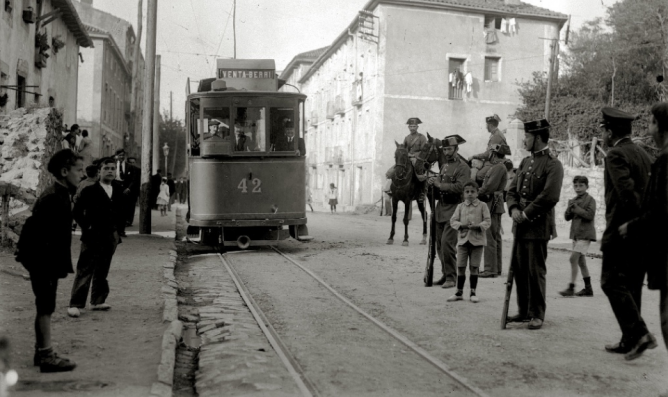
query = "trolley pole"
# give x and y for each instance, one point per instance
(147, 119)
(156, 115)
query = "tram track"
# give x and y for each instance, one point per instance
(305, 384)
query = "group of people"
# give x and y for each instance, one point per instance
(469, 208)
(79, 142)
(253, 142)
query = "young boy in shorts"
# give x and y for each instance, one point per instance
(46, 252)
(580, 211)
(472, 219)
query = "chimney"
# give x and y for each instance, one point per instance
(506, 2)
(89, 2)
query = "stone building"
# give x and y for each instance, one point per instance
(105, 81)
(39, 55)
(449, 62)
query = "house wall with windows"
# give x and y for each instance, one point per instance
(407, 71)
(34, 78)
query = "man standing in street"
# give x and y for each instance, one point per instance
(99, 212)
(413, 143)
(129, 177)
(531, 199)
(627, 172)
(450, 183)
(491, 192)
(172, 191)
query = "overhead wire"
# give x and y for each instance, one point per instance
(229, 14)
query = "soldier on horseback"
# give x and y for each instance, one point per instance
(454, 173)
(413, 143)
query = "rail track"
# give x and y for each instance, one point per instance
(306, 385)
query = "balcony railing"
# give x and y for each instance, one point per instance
(334, 155)
(330, 110)
(339, 105)
(357, 93)
(314, 118)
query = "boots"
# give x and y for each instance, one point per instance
(570, 291)
(49, 361)
(587, 291)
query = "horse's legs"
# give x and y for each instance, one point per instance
(407, 208)
(395, 204)
(421, 206)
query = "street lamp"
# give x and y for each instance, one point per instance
(165, 150)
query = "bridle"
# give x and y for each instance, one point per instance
(404, 166)
(425, 160)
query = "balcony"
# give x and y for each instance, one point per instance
(339, 105)
(357, 93)
(314, 118)
(334, 155)
(330, 110)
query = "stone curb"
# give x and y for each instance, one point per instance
(173, 332)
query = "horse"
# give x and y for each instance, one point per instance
(405, 188)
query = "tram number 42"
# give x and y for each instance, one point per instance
(256, 183)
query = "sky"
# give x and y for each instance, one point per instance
(192, 34)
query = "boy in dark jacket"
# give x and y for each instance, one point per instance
(44, 250)
(580, 211)
(99, 212)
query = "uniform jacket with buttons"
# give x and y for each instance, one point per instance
(493, 186)
(454, 174)
(414, 142)
(581, 216)
(535, 190)
(473, 213)
(627, 173)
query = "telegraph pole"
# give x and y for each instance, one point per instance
(156, 115)
(170, 106)
(147, 127)
(550, 75)
(134, 94)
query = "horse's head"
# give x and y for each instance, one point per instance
(400, 154)
(429, 152)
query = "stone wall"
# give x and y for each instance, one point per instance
(596, 190)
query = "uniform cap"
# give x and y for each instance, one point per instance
(119, 151)
(492, 119)
(453, 140)
(616, 116)
(214, 122)
(414, 120)
(536, 126)
(501, 149)
(289, 124)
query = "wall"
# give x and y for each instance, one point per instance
(17, 55)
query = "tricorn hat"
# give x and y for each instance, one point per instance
(616, 116)
(501, 149)
(536, 126)
(414, 120)
(453, 140)
(491, 119)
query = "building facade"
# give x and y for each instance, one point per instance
(39, 55)
(449, 62)
(105, 83)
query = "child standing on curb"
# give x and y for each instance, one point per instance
(580, 211)
(471, 218)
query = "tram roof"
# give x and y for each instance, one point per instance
(219, 94)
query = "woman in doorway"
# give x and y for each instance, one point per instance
(333, 193)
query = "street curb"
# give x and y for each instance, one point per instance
(173, 332)
(589, 254)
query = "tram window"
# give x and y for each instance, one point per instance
(250, 127)
(282, 119)
(216, 124)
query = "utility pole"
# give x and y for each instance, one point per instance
(147, 127)
(170, 106)
(234, 26)
(134, 89)
(554, 46)
(156, 115)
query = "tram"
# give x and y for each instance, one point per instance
(247, 174)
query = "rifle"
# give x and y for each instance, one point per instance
(506, 301)
(431, 252)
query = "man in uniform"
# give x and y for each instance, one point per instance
(627, 172)
(531, 199)
(413, 142)
(496, 138)
(491, 192)
(450, 183)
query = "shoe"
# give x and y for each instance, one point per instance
(486, 274)
(585, 292)
(449, 284)
(653, 344)
(639, 348)
(517, 319)
(456, 297)
(101, 306)
(73, 312)
(535, 323)
(570, 291)
(474, 298)
(619, 347)
(440, 281)
(49, 361)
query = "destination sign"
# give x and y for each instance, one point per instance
(245, 74)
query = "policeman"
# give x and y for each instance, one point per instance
(627, 172)
(413, 142)
(450, 182)
(491, 192)
(496, 138)
(531, 199)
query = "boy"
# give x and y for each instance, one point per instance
(581, 211)
(99, 212)
(44, 250)
(471, 218)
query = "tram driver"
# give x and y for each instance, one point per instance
(240, 138)
(215, 132)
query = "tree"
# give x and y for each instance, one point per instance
(172, 132)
